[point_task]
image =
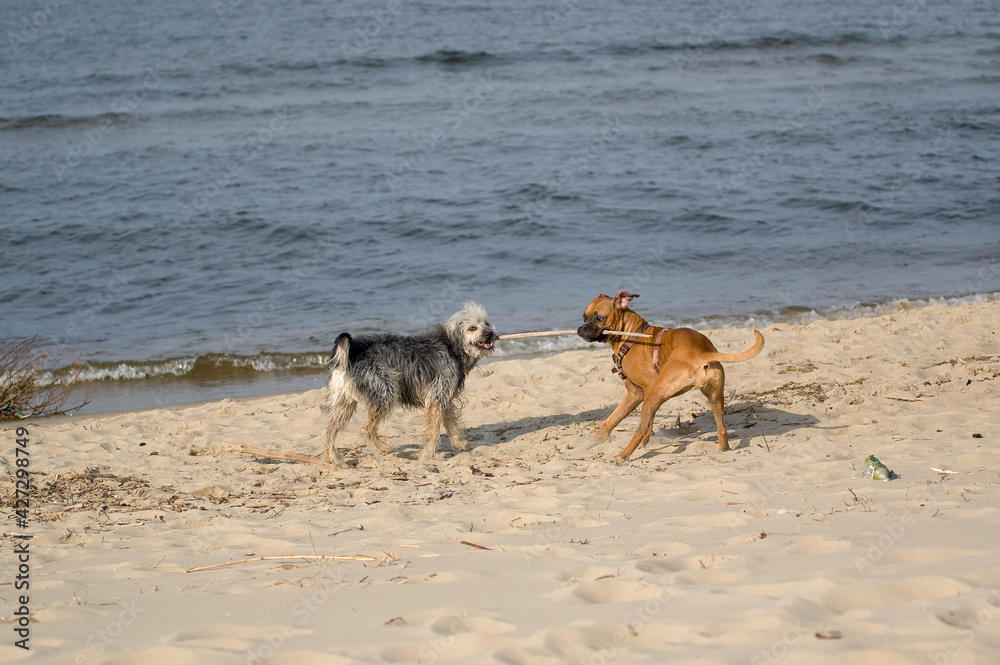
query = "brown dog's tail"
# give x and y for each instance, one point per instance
(737, 357)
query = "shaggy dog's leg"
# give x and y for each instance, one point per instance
(451, 426)
(341, 412)
(433, 431)
(370, 430)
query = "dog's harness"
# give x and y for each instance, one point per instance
(627, 344)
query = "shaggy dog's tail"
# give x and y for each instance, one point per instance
(340, 351)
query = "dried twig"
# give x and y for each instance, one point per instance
(288, 457)
(32, 383)
(478, 547)
(761, 431)
(546, 333)
(292, 557)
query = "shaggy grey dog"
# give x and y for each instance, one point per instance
(421, 371)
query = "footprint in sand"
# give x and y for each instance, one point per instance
(894, 593)
(701, 569)
(597, 585)
(814, 545)
(902, 556)
(617, 590)
(582, 640)
(448, 634)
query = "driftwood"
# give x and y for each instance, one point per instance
(302, 557)
(271, 454)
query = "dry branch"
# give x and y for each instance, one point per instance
(546, 333)
(271, 454)
(761, 431)
(32, 384)
(291, 557)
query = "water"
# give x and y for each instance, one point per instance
(197, 197)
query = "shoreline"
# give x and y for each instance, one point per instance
(532, 546)
(170, 389)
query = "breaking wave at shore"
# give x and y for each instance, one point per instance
(219, 368)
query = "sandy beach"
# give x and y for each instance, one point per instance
(533, 547)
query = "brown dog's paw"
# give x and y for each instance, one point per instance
(619, 460)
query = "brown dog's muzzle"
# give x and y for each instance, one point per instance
(590, 332)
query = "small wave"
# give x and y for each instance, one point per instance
(209, 369)
(761, 43)
(203, 368)
(803, 315)
(452, 57)
(54, 121)
(822, 204)
(534, 346)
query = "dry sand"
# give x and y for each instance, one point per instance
(532, 546)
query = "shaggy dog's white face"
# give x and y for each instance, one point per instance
(473, 326)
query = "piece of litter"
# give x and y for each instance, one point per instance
(873, 469)
(829, 635)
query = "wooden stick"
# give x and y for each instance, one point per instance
(546, 333)
(270, 454)
(761, 431)
(306, 557)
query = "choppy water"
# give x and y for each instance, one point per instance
(209, 193)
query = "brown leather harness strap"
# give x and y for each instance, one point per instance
(656, 350)
(627, 344)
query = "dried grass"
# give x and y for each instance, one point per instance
(33, 383)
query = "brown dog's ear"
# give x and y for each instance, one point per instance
(624, 298)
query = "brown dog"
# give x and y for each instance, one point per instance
(670, 363)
